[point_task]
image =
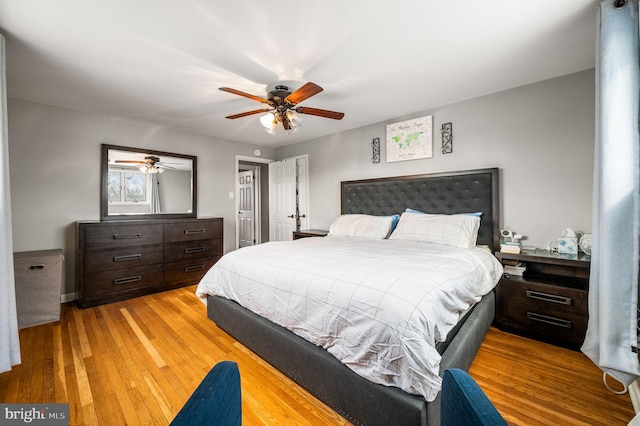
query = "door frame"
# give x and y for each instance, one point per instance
(258, 218)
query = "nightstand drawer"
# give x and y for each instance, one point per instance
(559, 324)
(550, 298)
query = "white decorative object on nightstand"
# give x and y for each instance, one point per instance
(585, 244)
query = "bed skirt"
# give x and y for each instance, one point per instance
(357, 399)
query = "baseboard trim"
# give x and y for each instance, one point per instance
(69, 297)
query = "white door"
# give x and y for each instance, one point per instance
(246, 211)
(288, 198)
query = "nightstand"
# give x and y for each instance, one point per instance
(305, 233)
(549, 301)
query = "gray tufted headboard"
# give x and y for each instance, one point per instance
(446, 193)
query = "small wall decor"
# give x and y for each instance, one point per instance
(447, 138)
(410, 140)
(375, 150)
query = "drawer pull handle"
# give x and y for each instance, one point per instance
(126, 236)
(562, 300)
(194, 231)
(127, 280)
(127, 257)
(549, 320)
(36, 267)
(194, 250)
(194, 268)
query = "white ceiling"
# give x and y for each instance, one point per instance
(163, 61)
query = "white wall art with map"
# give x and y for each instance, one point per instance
(410, 140)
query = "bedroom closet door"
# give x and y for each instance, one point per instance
(288, 197)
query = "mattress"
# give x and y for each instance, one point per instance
(379, 306)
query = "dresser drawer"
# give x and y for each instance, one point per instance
(188, 271)
(122, 257)
(192, 230)
(107, 236)
(185, 250)
(114, 282)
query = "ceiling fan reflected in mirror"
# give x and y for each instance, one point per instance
(283, 107)
(150, 164)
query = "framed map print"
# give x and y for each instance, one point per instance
(410, 140)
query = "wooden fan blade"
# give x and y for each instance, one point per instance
(246, 95)
(244, 114)
(303, 93)
(320, 112)
(130, 161)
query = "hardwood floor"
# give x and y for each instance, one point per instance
(136, 362)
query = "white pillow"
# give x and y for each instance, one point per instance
(457, 230)
(362, 226)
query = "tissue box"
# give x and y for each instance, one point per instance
(567, 245)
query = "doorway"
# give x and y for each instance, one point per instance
(252, 200)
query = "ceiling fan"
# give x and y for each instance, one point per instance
(150, 164)
(283, 107)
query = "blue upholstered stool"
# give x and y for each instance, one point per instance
(463, 403)
(216, 401)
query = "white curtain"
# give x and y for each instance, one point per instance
(155, 194)
(611, 340)
(9, 343)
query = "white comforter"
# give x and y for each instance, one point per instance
(379, 306)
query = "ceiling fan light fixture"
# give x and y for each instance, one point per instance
(295, 119)
(271, 119)
(270, 123)
(268, 120)
(150, 168)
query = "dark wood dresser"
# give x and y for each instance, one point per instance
(549, 301)
(122, 259)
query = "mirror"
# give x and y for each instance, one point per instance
(145, 184)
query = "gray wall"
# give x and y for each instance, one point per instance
(541, 136)
(54, 161)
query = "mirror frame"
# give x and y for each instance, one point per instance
(104, 171)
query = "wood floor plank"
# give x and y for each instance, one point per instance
(59, 379)
(151, 350)
(136, 362)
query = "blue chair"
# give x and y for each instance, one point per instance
(216, 401)
(463, 403)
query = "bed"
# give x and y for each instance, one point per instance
(317, 369)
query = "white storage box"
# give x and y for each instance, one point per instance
(38, 286)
